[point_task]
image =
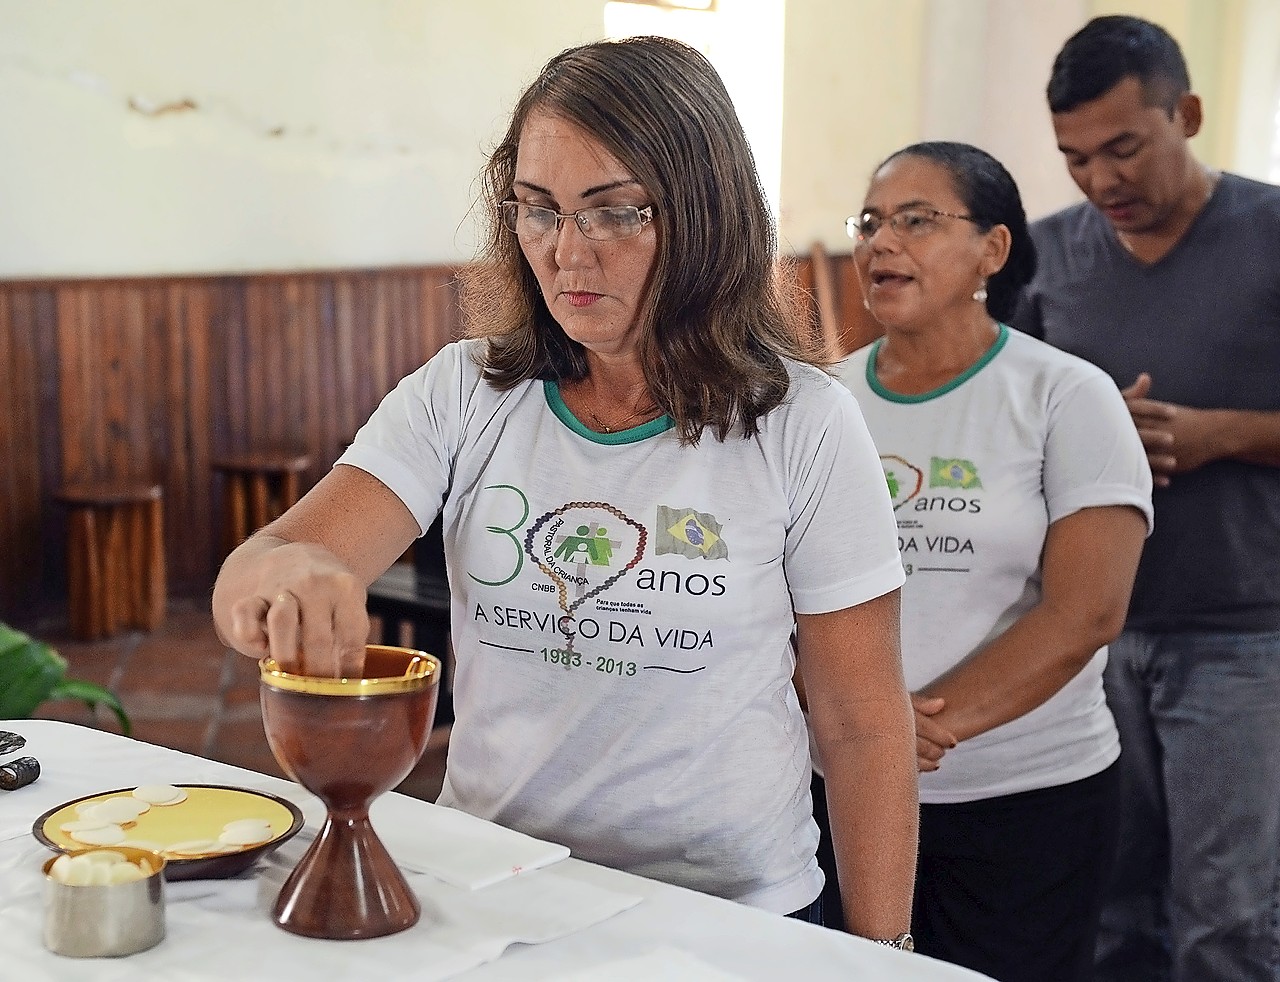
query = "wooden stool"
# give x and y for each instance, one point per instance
(258, 487)
(115, 556)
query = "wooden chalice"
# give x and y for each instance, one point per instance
(349, 740)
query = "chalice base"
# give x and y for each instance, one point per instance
(346, 887)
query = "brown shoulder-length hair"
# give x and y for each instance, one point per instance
(719, 316)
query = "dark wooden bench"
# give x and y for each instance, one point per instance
(417, 593)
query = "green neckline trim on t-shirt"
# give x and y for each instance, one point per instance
(941, 390)
(633, 435)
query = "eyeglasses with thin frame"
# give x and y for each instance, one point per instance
(912, 222)
(535, 223)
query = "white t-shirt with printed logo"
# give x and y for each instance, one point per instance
(978, 470)
(622, 607)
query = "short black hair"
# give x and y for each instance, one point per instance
(1109, 49)
(991, 197)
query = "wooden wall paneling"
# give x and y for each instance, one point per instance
(425, 317)
(261, 368)
(12, 405)
(45, 573)
(298, 339)
(379, 330)
(235, 352)
(189, 501)
(359, 339)
(336, 377)
(345, 411)
(307, 334)
(234, 377)
(858, 326)
(413, 332)
(74, 367)
(283, 326)
(153, 377)
(20, 452)
(140, 449)
(398, 287)
(353, 351)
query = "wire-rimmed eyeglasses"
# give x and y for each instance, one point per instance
(909, 223)
(602, 224)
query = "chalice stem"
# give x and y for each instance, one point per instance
(346, 886)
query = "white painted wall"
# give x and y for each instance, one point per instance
(852, 92)
(985, 69)
(348, 133)
(325, 133)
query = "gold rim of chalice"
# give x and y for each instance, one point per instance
(421, 670)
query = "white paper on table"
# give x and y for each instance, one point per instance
(223, 928)
(8, 832)
(661, 963)
(458, 848)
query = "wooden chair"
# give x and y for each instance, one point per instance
(115, 556)
(417, 594)
(257, 487)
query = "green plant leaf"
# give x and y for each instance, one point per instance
(92, 695)
(29, 670)
(31, 673)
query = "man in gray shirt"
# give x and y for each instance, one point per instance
(1168, 278)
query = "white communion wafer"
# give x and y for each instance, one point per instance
(60, 870)
(107, 835)
(118, 810)
(192, 847)
(160, 794)
(102, 867)
(84, 824)
(106, 856)
(246, 832)
(124, 872)
(73, 870)
(79, 871)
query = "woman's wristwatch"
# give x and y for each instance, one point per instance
(903, 942)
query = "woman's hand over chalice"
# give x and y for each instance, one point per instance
(305, 609)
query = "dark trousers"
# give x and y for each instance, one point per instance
(1008, 886)
(1012, 886)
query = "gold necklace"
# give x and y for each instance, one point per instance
(604, 427)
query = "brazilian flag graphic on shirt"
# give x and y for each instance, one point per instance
(953, 472)
(689, 533)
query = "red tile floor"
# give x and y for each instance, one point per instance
(183, 689)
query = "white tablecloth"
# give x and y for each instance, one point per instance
(670, 933)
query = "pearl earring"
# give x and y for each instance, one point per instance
(980, 294)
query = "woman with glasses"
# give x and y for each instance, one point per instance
(646, 486)
(1023, 497)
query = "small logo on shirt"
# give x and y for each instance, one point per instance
(584, 547)
(904, 479)
(689, 533)
(953, 472)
